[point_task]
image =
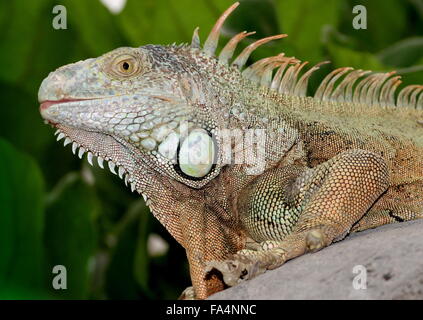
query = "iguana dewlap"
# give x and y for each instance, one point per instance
(236, 162)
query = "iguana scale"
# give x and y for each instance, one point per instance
(347, 159)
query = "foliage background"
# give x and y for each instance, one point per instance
(56, 209)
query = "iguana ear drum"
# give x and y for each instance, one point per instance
(196, 155)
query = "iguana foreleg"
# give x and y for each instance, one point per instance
(204, 238)
(325, 201)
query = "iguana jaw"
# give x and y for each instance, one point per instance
(108, 151)
(121, 157)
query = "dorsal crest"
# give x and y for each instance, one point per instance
(341, 85)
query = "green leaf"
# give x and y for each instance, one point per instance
(21, 224)
(264, 20)
(164, 22)
(403, 53)
(24, 126)
(54, 48)
(411, 75)
(304, 22)
(418, 6)
(71, 236)
(142, 259)
(386, 23)
(344, 57)
(18, 36)
(120, 279)
(95, 25)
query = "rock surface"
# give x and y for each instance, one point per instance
(391, 254)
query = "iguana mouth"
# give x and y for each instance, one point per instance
(47, 103)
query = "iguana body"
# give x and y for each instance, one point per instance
(348, 159)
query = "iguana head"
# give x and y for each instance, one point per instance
(136, 107)
(149, 110)
(144, 110)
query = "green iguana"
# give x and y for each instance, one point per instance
(241, 167)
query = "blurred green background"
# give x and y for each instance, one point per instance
(57, 210)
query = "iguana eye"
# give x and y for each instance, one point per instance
(196, 154)
(126, 65)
